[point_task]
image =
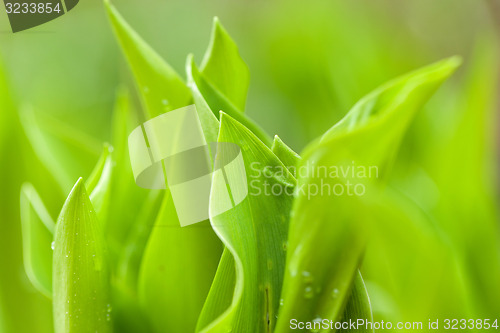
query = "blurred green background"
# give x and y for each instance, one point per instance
(310, 61)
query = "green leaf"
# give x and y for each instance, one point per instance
(18, 298)
(135, 245)
(177, 269)
(38, 229)
(332, 228)
(221, 292)
(397, 101)
(208, 119)
(100, 183)
(402, 289)
(468, 168)
(97, 172)
(63, 150)
(358, 306)
(224, 68)
(289, 158)
(255, 233)
(161, 88)
(81, 292)
(127, 197)
(216, 101)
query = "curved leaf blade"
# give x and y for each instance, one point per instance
(333, 229)
(38, 229)
(255, 233)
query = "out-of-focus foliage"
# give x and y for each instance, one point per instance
(432, 246)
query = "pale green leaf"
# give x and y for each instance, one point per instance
(466, 170)
(81, 291)
(97, 172)
(161, 88)
(100, 189)
(64, 155)
(38, 229)
(331, 226)
(224, 68)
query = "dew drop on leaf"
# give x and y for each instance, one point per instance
(315, 328)
(307, 277)
(308, 292)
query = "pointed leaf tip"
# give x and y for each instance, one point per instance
(81, 292)
(224, 68)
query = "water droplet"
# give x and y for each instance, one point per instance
(146, 89)
(53, 245)
(164, 102)
(335, 293)
(282, 302)
(308, 292)
(316, 325)
(307, 277)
